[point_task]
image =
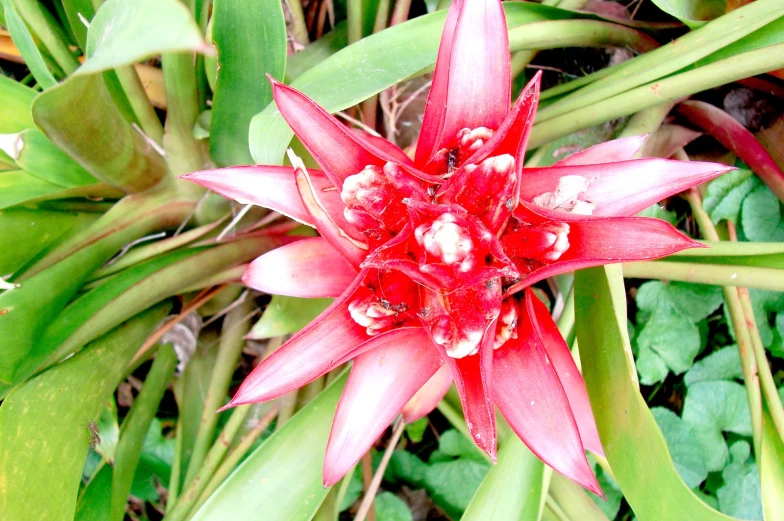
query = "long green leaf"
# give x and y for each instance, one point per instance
(81, 118)
(282, 478)
(26, 44)
(18, 186)
(771, 467)
(136, 425)
(511, 486)
(634, 445)
(74, 8)
(45, 425)
(364, 69)
(34, 153)
(27, 232)
(251, 39)
(15, 110)
(123, 33)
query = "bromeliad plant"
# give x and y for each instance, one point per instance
(432, 260)
(120, 122)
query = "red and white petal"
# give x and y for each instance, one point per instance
(336, 235)
(428, 396)
(623, 149)
(568, 374)
(331, 339)
(272, 187)
(478, 87)
(622, 188)
(596, 241)
(308, 268)
(336, 149)
(737, 138)
(382, 380)
(529, 394)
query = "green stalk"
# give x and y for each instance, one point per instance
(46, 30)
(767, 384)
(647, 121)
(185, 153)
(176, 472)
(193, 488)
(298, 28)
(520, 61)
(140, 103)
(354, 20)
(233, 459)
(669, 89)
(672, 57)
(578, 33)
(402, 8)
(235, 327)
(698, 273)
(565, 88)
(742, 333)
(136, 425)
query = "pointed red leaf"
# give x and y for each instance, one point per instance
(737, 138)
(512, 136)
(336, 149)
(568, 374)
(476, 92)
(625, 187)
(382, 380)
(530, 396)
(308, 268)
(332, 338)
(337, 236)
(384, 145)
(623, 149)
(592, 241)
(427, 397)
(272, 187)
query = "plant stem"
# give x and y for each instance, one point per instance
(367, 501)
(367, 480)
(298, 27)
(740, 325)
(400, 13)
(578, 33)
(354, 20)
(699, 273)
(140, 103)
(195, 486)
(234, 458)
(185, 153)
(135, 427)
(671, 88)
(235, 326)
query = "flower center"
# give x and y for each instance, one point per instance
(447, 240)
(471, 140)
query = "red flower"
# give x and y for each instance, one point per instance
(431, 261)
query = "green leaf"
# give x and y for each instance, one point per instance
(761, 216)
(80, 117)
(740, 494)
(122, 33)
(723, 364)
(35, 154)
(657, 211)
(250, 36)
(694, 13)
(108, 431)
(512, 488)
(452, 484)
(47, 462)
(286, 315)
(771, 465)
(26, 44)
(17, 186)
(364, 69)
(726, 193)
(671, 336)
(416, 431)
(405, 467)
(95, 500)
(15, 110)
(635, 448)
(285, 471)
(611, 490)
(354, 490)
(389, 507)
(686, 451)
(695, 301)
(74, 8)
(712, 408)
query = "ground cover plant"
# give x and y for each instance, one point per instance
(426, 260)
